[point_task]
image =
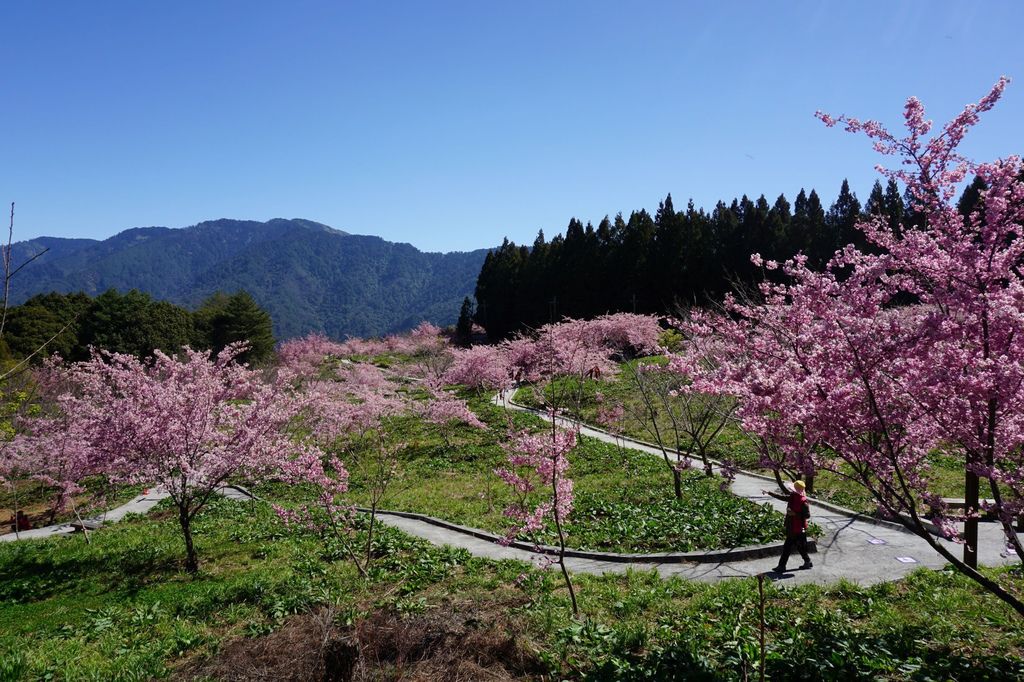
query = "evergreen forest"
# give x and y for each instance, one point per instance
(675, 258)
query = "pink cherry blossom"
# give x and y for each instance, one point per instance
(868, 367)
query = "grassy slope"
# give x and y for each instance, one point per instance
(624, 499)
(120, 609)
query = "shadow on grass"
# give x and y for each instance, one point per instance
(36, 573)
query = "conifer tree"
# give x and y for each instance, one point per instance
(843, 217)
(464, 327)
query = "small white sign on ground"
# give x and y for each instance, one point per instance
(906, 560)
(877, 541)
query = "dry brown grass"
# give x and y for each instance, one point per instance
(445, 644)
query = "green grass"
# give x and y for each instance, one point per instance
(122, 609)
(929, 626)
(624, 498)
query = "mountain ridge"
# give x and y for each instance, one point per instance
(308, 275)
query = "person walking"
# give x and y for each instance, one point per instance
(798, 515)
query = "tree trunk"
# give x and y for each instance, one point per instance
(971, 505)
(558, 524)
(561, 562)
(971, 572)
(369, 535)
(53, 510)
(779, 481)
(85, 531)
(191, 558)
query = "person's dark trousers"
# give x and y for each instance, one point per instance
(799, 540)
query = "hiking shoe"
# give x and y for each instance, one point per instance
(806, 564)
(779, 569)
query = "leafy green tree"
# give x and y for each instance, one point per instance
(116, 322)
(47, 323)
(222, 320)
(843, 217)
(133, 323)
(875, 204)
(970, 200)
(498, 287)
(170, 327)
(895, 209)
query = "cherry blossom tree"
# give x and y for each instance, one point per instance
(50, 446)
(557, 362)
(304, 356)
(868, 367)
(443, 409)
(537, 473)
(967, 274)
(348, 413)
(480, 368)
(188, 424)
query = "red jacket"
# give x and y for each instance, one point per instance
(797, 513)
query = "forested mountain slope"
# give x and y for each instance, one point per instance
(310, 277)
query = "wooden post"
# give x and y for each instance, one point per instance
(760, 599)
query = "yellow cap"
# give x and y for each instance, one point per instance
(799, 485)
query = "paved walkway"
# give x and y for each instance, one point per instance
(138, 505)
(851, 548)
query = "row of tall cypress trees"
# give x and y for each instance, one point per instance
(654, 264)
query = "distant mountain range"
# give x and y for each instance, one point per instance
(308, 276)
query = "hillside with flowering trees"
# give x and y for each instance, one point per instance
(891, 374)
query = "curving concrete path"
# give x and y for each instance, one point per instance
(854, 547)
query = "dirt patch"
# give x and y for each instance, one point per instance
(445, 644)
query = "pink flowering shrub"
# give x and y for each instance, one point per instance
(443, 409)
(481, 368)
(537, 473)
(304, 356)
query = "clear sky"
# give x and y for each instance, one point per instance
(450, 125)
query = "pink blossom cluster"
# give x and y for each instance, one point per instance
(354, 399)
(483, 368)
(583, 348)
(304, 356)
(538, 464)
(443, 408)
(188, 424)
(425, 337)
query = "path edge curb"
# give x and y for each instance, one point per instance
(713, 556)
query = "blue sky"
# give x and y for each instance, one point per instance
(450, 125)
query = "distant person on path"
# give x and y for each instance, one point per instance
(19, 522)
(798, 515)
